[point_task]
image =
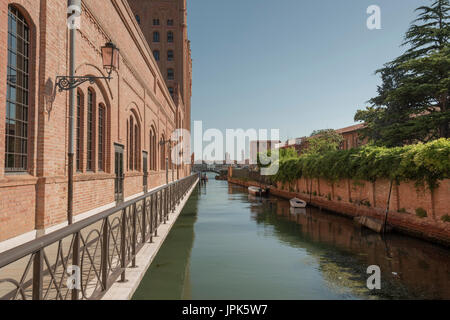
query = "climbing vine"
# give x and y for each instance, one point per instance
(422, 163)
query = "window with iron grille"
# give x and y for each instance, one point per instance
(156, 55)
(170, 36)
(101, 137)
(170, 55)
(131, 145)
(156, 36)
(17, 96)
(170, 74)
(136, 148)
(90, 131)
(78, 130)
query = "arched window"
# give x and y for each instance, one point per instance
(90, 130)
(133, 144)
(153, 149)
(155, 36)
(163, 153)
(101, 136)
(17, 88)
(170, 55)
(137, 151)
(170, 74)
(156, 54)
(79, 130)
(169, 36)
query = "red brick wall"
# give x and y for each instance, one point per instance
(37, 199)
(364, 198)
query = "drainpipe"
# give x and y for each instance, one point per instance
(71, 118)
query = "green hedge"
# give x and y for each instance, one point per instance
(423, 163)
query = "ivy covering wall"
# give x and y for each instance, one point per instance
(424, 164)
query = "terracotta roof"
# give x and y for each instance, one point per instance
(355, 127)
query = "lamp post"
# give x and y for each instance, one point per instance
(110, 57)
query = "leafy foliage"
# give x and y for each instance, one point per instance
(423, 163)
(413, 101)
(324, 141)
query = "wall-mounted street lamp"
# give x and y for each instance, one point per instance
(110, 57)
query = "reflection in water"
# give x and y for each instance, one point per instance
(172, 261)
(247, 247)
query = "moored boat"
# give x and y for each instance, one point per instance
(256, 191)
(298, 203)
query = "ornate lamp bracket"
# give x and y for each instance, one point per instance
(65, 83)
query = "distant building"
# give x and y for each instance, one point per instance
(352, 137)
(293, 143)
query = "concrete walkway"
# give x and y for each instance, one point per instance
(126, 290)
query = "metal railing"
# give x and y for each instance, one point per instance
(83, 260)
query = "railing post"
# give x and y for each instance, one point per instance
(144, 220)
(105, 255)
(160, 207)
(123, 230)
(38, 266)
(166, 213)
(156, 213)
(76, 261)
(133, 242)
(151, 217)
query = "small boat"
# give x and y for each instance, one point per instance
(297, 203)
(256, 191)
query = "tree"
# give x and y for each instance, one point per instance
(413, 100)
(323, 141)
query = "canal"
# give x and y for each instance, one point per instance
(229, 245)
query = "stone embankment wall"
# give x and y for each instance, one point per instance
(415, 211)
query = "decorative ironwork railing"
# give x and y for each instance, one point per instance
(83, 260)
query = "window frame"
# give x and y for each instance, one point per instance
(170, 74)
(16, 73)
(156, 37)
(170, 37)
(157, 55)
(90, 136)
(170, 55)
(101, 140)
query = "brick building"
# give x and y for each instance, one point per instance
(164, 25)
(351, 135)
(119, 123)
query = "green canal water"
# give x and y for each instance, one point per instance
(229, 245)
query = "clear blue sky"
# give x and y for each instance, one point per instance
(294, 65)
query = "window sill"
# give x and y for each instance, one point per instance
(17, 179)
